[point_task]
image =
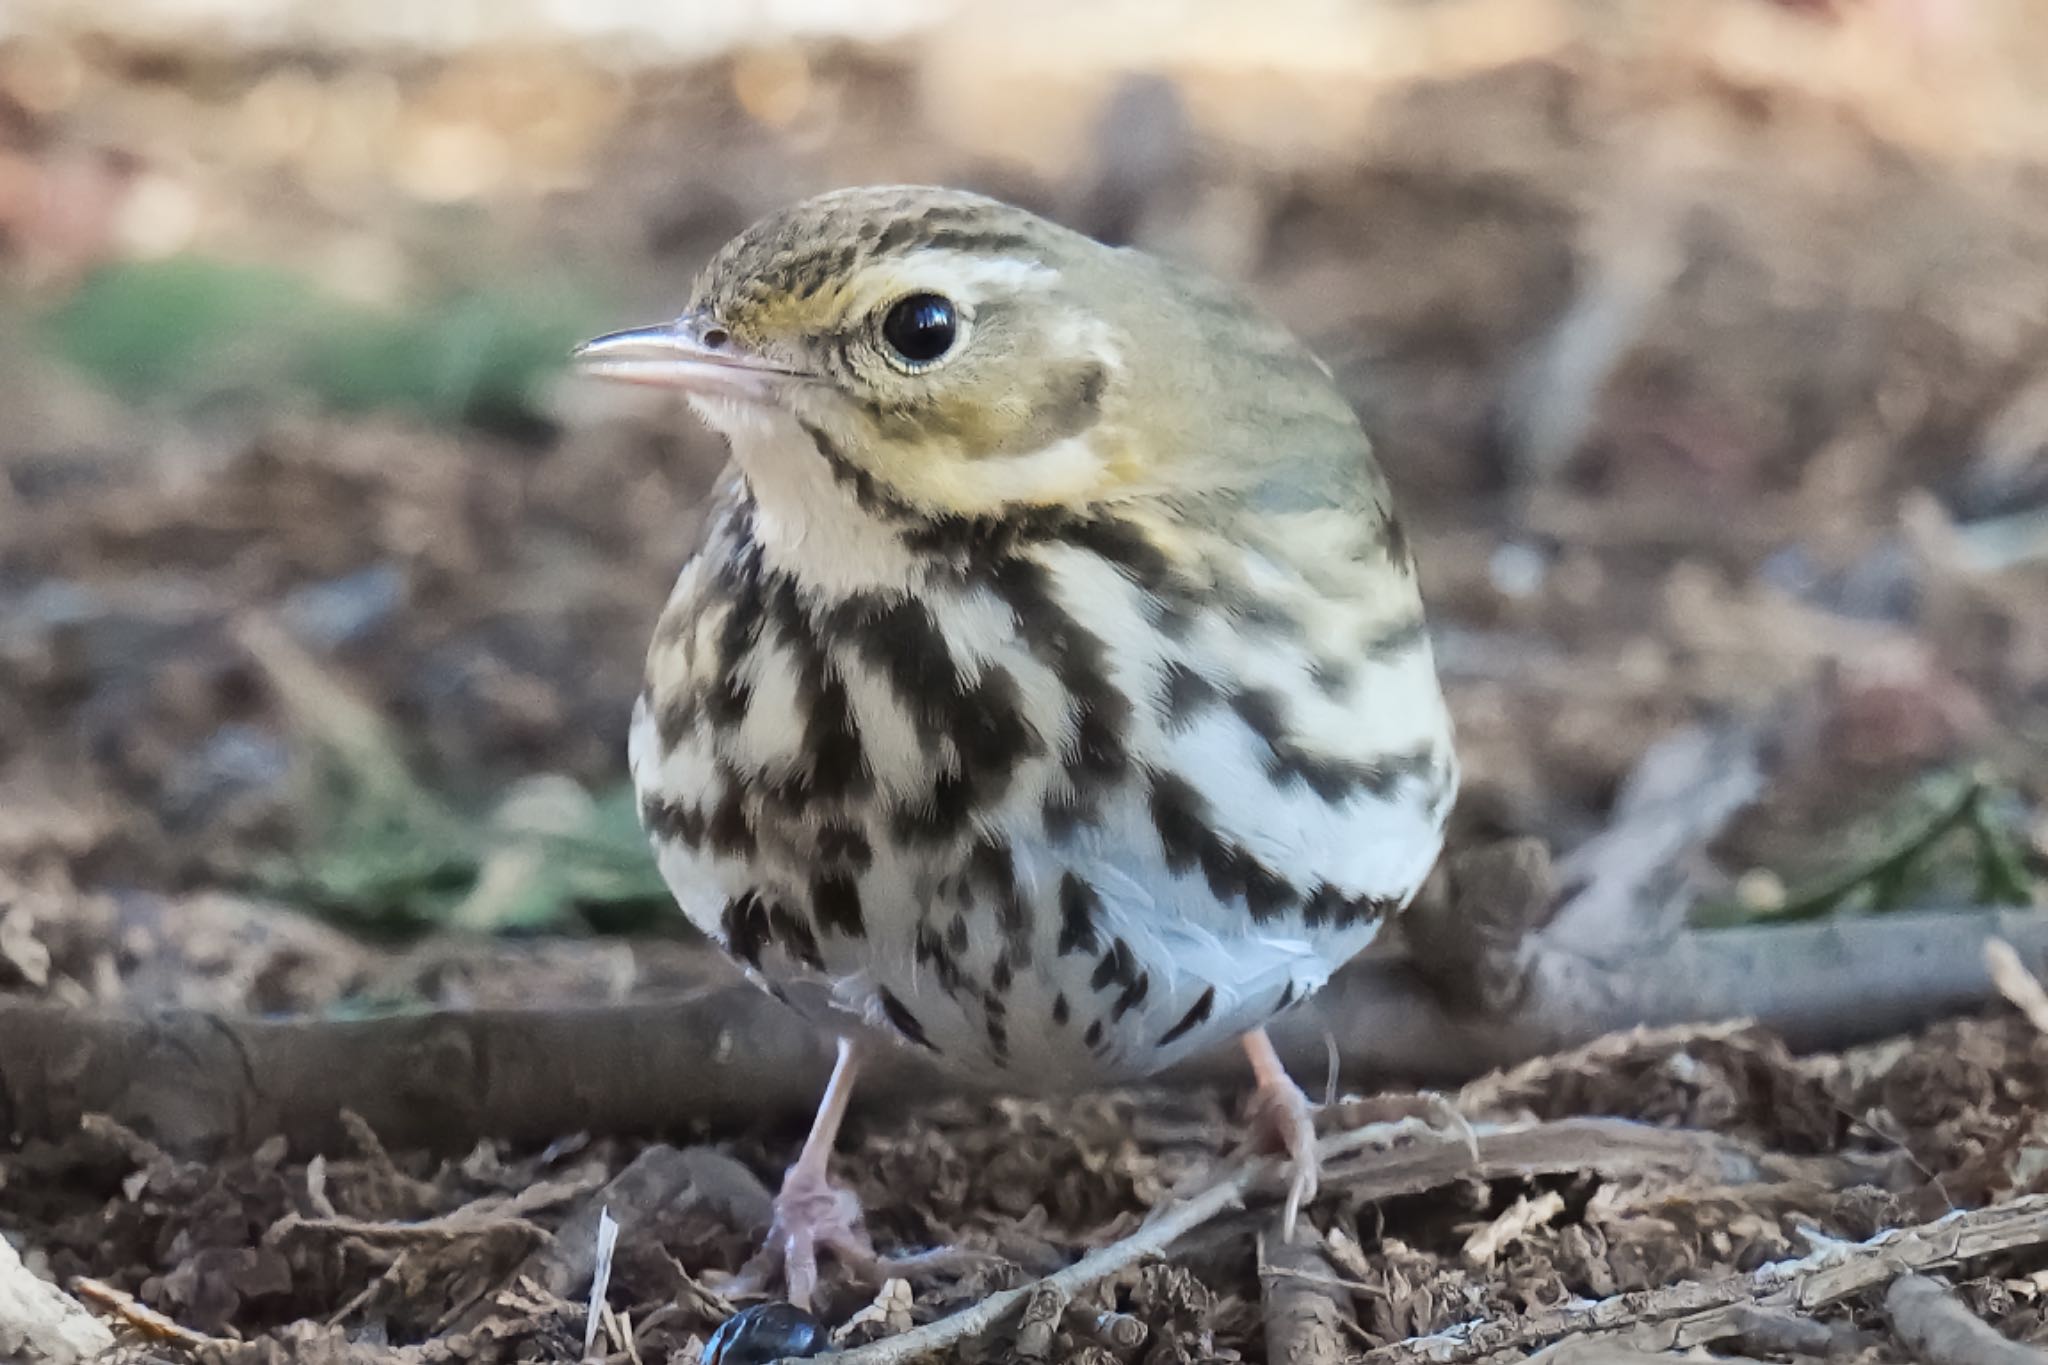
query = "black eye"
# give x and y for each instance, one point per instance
(921, 328)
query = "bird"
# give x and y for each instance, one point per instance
(1050, 692)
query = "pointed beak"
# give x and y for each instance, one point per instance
(693, 354)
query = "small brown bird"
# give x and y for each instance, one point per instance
(1050, 692)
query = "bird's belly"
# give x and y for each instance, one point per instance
(1022, 826)
(1048, 967)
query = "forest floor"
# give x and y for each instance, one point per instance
(1714, 387)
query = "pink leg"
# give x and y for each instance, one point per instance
(811, 1213)
(1284, 1113)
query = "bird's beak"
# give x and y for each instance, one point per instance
(693, 354)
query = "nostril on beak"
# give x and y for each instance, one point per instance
(714, 337)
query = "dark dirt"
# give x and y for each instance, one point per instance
(388, 1250)
(1805, 489)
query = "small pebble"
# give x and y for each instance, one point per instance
(763, 1333)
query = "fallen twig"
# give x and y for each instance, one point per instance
(1608, 1351)
(1933, 1322)
(138, 1317)
(1609, 1148)
(1695, 1312)
(1304, 1320)
(1603, 1147)
(197, 1082)
(1151, 1239)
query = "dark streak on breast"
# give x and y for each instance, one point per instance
(835, 900)
(1197, 1012)
(1190, 840)
(905, 1022)
(1079, 905)
(673, 821)
(1078, 658)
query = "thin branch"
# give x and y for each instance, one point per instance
(1608, 1351)
(1933, 1322)
(197, 1082)
(1304, 1316)
(139, 1318)
(1150, 1240)
(1606, 1147)
(1690, 1314)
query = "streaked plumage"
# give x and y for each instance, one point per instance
(1058, 707)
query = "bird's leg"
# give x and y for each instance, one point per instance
(811, 1213)
(1283, 1114)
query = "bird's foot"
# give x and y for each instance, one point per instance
(1283, 1118)
(811, 1215)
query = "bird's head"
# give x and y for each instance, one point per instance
(965, 357)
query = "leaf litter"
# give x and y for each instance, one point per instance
(1830, 541)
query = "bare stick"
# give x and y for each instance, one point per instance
(198, 1082)
(1304, 1317)
(1682, 1316)
(1606, 1147)
(1610, 1148)
(1152, 1239)
(1608, 1351)
(138, 1317)
(1933, 1322)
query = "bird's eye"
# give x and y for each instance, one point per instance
(920, 329)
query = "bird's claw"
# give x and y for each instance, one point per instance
(811, 1215)
(1285, 1117)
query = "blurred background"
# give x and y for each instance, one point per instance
(1707, 346)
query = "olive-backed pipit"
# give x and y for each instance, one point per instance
(1050, 692)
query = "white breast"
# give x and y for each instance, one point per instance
(977, 944)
